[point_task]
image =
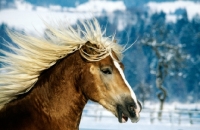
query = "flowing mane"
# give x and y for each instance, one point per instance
(30, 55)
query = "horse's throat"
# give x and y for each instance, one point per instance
(63, 111)
(74, 111)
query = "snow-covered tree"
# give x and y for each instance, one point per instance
(169, 59)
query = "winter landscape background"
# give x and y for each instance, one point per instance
(170, 28)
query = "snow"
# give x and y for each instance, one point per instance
(24, 6)
(169, 56)
(108, 124)
(95, 117)
(101, 5)
(90, 6)
(55, 7)
(30, 18)
(192, 8)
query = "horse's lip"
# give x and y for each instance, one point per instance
(122, 118)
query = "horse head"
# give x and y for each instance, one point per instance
(106, 84)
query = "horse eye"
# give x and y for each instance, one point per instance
(106, 70)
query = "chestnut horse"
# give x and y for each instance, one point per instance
(46, 81)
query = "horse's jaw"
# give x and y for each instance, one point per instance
(122, 111)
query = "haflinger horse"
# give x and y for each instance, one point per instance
(46, 81)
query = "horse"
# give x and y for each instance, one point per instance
(47, 80)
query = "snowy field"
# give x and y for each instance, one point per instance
(183, 118)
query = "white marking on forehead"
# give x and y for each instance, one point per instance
(126, 82)
(117, 65)
(137, 110)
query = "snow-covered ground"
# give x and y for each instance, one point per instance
(97, 118)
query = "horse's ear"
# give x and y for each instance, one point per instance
(114, 55)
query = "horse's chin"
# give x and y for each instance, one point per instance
(118, 111)
(123, 116)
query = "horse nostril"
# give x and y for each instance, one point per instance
(131, 110)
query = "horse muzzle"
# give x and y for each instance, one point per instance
(129, 110)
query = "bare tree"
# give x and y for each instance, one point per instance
(169, 58)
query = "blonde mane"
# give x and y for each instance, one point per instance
(31, 55)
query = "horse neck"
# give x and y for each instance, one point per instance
(56, 99)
